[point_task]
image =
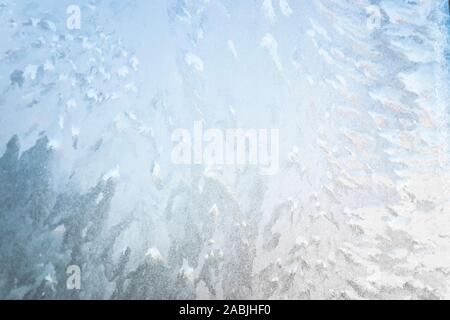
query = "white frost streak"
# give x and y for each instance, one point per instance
(194, 61)
(113, 174)
(269, 42)
(30, 72)
(232, 48)
(285, 8)
(268, 10)
(154, 254)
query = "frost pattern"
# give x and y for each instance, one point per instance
(360, 208)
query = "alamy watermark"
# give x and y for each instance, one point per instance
(234, 147)
(73, 21)
(73, 281)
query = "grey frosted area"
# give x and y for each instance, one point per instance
(357, 207)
